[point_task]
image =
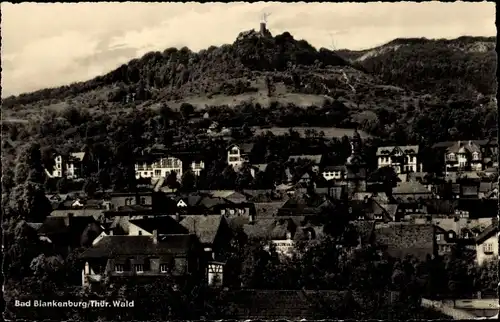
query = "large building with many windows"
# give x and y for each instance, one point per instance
(402, 159)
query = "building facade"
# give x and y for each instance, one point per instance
(402, 159)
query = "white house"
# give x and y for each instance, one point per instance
(462, 156)
(487, 245)
(159, 169)
(69, 167)
(238, 154)
(400, 158)
(197, 167)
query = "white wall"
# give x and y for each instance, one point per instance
(481, 257)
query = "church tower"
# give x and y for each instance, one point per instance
(356, 167)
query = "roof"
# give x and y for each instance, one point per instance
(316, 159)
(205, 227)
(85, 212)
(447, 144)
(405, 149)
(244, 147)
(334, 168)
(162, 224)
(270, 229)
(403, 238)
(78, 155)
(268, 209)
(229, 194)
(261, 167)
(210, 202)
(35, 225)
(410, 188)
(110, 246)
(487, 233)
(61, 225)
(464, 147)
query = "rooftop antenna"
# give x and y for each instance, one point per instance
(264, 17)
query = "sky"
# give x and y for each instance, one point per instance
(53, 44)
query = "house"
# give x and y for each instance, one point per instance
(370, 209)
(488, 190)
(69, 232)
(487, 244)
(401, 239)
(237, 154)
(197, 166)
(70, 167)
(334, 172)
(401, 158)
(463, 156)
(280, 232)
(212, 231)
(142, 257)
(121, 199)
(149, 167)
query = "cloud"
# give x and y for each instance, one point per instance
(47, 45)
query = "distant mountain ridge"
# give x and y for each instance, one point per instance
(462, 64)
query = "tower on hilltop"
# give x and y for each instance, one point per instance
(263, 28)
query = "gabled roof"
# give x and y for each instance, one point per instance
(229, 194)
(389, 150)
(315, 159)
(402, 238)
(464, 147)
(85, 212)
(410, 188)
(162, 224)
(210, 202)
(205, 227)
(492, 230)
(111, 246)
(260, 167)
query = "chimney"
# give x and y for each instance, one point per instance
(470, 142)
(459, 143)
(110, 233)
(155, 236)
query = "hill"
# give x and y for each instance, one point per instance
(466, 65)
(400, 91)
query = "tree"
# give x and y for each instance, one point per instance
(244, 179)
(186, 109)
(228, 177)
(188, 181)
(62, 185)
(171, 180)
(104, 179)
(90, 187)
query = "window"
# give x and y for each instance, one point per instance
(488, 248)
(288, 235)
(438, 237)
(163, 268)
(139, 268)
(234, 151)
(234, 159)
(119, 268)
(143, 200)
(157, 173)
(450, 235)
(451, 157)
(223, 211)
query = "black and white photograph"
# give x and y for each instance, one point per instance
(244, 161)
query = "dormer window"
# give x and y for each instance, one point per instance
(231, 211)
(361, 217)
(475, 156)
(451, 157)
(450, 235)
(438, 237)
(223, 211)
(119, 268)
(163, 268)
(488, 248)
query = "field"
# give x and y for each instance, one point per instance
(330, 132)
